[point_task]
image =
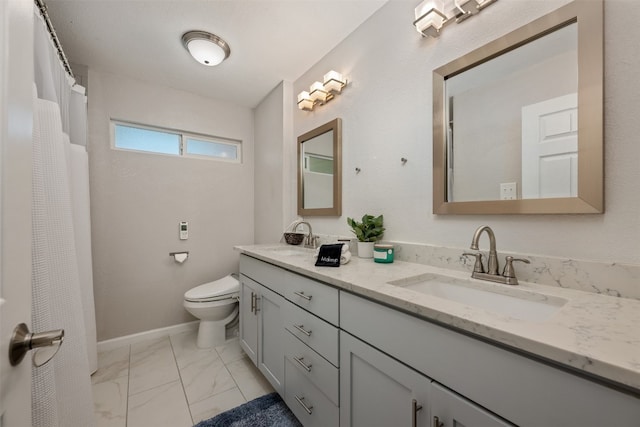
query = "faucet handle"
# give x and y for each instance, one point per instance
(508, 271)
(477, 267)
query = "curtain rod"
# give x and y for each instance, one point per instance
(52, 32)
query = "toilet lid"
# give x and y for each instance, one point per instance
(224, 286)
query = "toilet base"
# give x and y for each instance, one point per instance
(213, 332)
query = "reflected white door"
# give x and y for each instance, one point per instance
(16, 112)
(550, 148)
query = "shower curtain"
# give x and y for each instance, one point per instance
(62, 283)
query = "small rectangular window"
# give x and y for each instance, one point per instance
(208, 148)
(144, 139)
(127, 136)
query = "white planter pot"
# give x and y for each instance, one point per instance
(365, 249)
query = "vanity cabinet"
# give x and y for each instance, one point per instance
(292, 340)
(486, 378)
(261, 330)
(249, 290)
(376, 390)
(339, 359)
(450, 409)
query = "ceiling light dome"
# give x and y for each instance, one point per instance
(206, 48)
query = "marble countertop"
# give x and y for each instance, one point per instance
(593, 333)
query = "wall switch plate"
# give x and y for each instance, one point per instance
(508, 191)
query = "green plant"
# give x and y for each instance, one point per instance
(369, 230)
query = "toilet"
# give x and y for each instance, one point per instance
(216, 305)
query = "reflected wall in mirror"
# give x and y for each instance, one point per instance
(518, 122)
(320, 170)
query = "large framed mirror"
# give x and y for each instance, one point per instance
(518, 123)
(320, 171)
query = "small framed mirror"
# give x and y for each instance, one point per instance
(518, 123)
(320, 171)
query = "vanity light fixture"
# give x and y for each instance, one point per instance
(304, 101)
(321, 93)
(206, 48)
(433, 15)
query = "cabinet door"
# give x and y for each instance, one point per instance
(450, 409)
(271, 331)
(376, 390)
(249, 318)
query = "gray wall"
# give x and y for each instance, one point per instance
(386, 111)
(274, 190)
(137, 200)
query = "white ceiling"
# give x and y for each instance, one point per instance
(270, 40)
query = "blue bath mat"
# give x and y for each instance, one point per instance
(265, 411)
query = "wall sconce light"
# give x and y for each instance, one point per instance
(206, 48)
(321, 93)
(433, 15)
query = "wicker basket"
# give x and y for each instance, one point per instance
(294, 238)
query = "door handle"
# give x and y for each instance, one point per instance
(22, 341)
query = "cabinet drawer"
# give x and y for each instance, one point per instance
(266, 274)
(316, 297)
(313, 366)
(306, 401)
(313, 331)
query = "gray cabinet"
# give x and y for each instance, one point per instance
(340, 359)
(376, 390)
(519, 389)
(271, 337)
(249, 291)
(450, 409)
(261, 330)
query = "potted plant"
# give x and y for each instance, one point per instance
(369, 231)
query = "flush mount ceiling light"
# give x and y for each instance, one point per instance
(432, 15)
(206, 48)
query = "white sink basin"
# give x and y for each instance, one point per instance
(290, 250)
(502, 299)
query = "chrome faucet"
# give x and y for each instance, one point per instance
(508, 276)
(310, 241)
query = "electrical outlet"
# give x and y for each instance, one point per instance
(508, 191)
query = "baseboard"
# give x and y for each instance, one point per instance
(114, 343)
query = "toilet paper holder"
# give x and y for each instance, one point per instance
(180, 257)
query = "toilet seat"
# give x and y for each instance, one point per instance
(226, 288)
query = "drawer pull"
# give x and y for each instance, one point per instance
(302, 295)
(301, 329)
(301, 402)
(253, 302)
(301, 363)
(437, 423)
(414, 413)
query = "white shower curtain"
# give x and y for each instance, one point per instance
(62, 281)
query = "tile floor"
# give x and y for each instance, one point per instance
(170, 382)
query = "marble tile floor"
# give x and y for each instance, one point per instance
(170, 382)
